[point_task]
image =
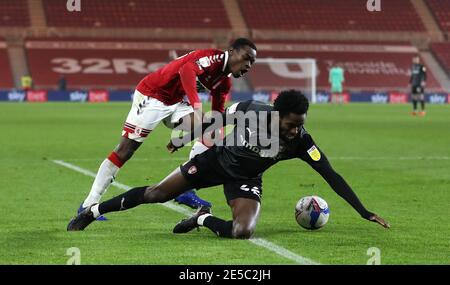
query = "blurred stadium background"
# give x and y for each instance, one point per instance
(106, 48)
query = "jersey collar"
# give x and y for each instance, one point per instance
(225, 61)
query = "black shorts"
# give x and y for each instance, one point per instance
(203, 171)
(417, 89)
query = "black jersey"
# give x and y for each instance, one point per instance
(418, 74)
(242, 157)
(253, 147)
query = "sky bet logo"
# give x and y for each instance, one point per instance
(379, 98)
(73, 5)
(438, 99)
(78, 96)
(322, 98)
(18, 96)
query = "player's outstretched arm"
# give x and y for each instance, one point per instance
(377, 219)
(188, 74)
(340, 186)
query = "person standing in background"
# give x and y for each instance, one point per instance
(62, 83)
(27, 82)
(336, 79)
(417, 82)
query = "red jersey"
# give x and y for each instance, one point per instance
(172, 82)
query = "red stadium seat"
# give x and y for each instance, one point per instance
(398, 15)
(139, 14)
(118, 64)
(368, 67)
(442, 53)
(99, 64)
(441, 11)
(6, 79)
(14, 13)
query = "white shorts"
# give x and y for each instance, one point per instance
(147, 112)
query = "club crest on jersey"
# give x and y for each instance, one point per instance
(192, 169)
(204, 62)
(138, 131)
(314, 153)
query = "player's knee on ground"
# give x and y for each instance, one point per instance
(154, 194)
(242, 230)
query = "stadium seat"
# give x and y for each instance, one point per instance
(99, 64)
(398, 15)
(442, 53)
(6, 79)
(139, 14)
(441, 11)
(368, 67)
(14, 13)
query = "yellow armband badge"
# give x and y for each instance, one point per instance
(314, 153)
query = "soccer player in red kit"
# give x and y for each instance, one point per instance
(159, 97)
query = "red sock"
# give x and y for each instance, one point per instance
(114, 158)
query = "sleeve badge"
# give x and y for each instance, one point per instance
(314, 153)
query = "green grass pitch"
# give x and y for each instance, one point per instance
(399, 166)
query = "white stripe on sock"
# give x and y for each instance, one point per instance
(94, 210)
(202, 218)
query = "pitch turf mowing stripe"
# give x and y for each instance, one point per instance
(257, 241)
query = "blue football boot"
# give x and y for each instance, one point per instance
(190, 199)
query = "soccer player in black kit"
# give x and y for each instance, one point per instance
(417, 81)
(238, 166)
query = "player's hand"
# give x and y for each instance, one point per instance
(377, 219)
(171, 147)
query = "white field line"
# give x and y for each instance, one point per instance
(121, 186)
(257, 241)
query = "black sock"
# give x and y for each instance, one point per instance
(422, 104)
(125, 201)
(218, 226)
(414, 105)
